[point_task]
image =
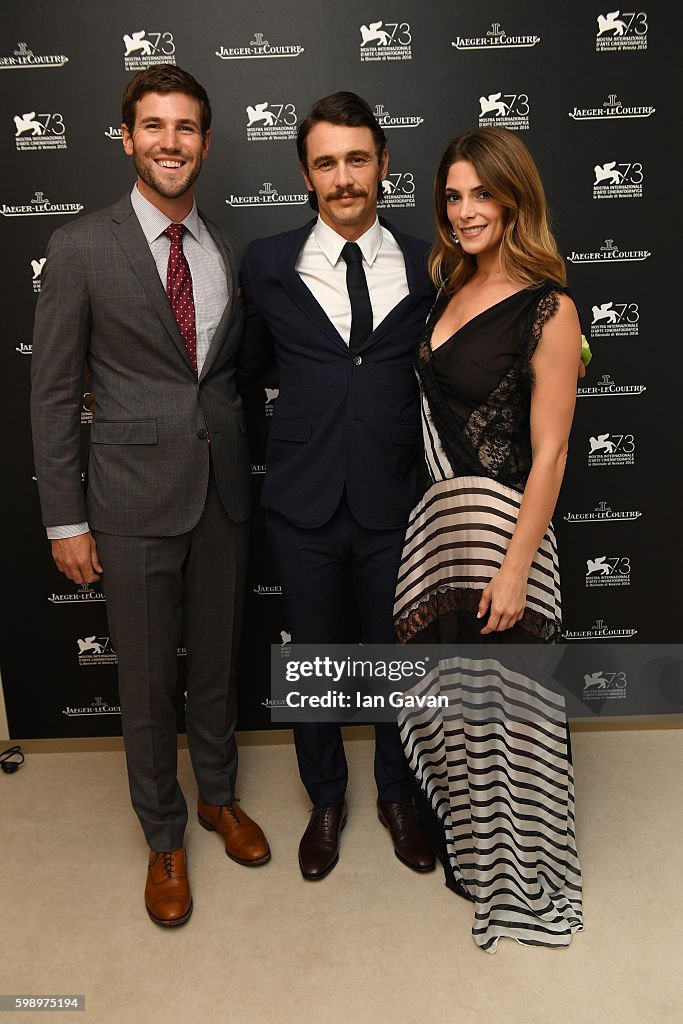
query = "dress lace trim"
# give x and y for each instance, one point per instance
(443, 600)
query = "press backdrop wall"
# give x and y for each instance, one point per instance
(586, 89)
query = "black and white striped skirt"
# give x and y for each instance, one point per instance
(494, 767)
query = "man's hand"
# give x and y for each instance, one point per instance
(77, 558)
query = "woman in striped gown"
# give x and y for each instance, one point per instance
(497, 366)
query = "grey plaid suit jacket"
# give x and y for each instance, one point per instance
(102, 307)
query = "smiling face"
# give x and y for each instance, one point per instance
(167, 147)
(343, 169)
(476, 218)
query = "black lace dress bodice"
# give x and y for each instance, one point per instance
(478, 384)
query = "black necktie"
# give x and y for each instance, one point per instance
(361, 309)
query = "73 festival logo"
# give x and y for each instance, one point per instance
(398, 182)
(621, 30)
(386, 33)
(499, 104)
(36, 130)
(622, 23)
(143, 48)
(271, 121)
(613, 319)
(608, 571)
(611, 450)
(398, 189)
(507, 110)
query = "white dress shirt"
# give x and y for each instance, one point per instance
(322, 269)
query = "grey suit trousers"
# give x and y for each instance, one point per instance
(163, 593)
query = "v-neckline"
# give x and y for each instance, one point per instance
(471, 320)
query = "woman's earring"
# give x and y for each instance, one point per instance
(455, 238)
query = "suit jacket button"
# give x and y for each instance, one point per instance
(357, 360)
(202, 434)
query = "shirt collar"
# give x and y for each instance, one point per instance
(153, 222)
(332, 243)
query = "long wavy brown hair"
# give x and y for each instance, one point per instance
(528, 250)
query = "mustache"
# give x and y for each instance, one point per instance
(346, 193)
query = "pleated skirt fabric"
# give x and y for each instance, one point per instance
(494, 767)
(455, 543)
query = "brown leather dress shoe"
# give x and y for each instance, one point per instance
(319, 846)
(244, 840)
(410, 843)
(167, 892)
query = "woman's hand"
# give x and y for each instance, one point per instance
(504, 599)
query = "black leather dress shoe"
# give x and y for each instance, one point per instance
(319, 846)
(410, 843)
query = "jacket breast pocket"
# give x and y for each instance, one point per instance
(291, 430)
(123, 432)
(286, 437)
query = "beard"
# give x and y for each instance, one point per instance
(147, 171)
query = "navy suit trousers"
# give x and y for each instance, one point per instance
(316, 568)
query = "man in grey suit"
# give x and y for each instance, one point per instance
(143, 297)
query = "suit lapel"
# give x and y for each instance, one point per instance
(130, 237)
(391, 321)
(290, 247)
(415, 278)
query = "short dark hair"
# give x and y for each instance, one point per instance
(344, 108)
(163, 78)
(341, 108)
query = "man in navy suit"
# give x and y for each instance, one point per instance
(345, 436)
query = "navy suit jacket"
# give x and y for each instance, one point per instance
(340, 420)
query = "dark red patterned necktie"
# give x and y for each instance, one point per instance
(179, 290)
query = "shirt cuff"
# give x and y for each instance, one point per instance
(62, 532)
